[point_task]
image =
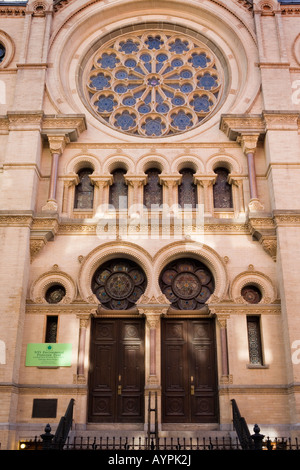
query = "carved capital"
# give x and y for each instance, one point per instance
(248, 142)
(170, 180)
(57, 143)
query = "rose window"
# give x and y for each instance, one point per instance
(154, 84)
(118, 284)
(187, 284)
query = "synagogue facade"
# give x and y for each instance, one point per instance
(150, 216)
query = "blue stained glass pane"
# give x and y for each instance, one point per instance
(168, 93)
(146, 57)
(154, 42)
(139, 93)
(201, 103)
(174, 85)
(106, 104)
(179, 46)
(161, 57)
(187, 88)
(207, 81)
(120, 88)
(162, 108)
(177, 63)
(108, 61)
(144, 109)
(130, 63)
(129, 101)
(128, 47)
(148, 98)
(186, 74)
(178, 101)
(182, 120)
(134, 77)
(167, 70)
(154, 127)
(121, 75)
(199, 60)
(125, 121)
(100, 81)
(158, 98)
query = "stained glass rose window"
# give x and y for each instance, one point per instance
(153, 84)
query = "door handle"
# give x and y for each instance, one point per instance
(119, 389)
(192, 389)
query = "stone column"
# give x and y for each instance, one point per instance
(83, 324)
(57, 145)
(249, 143)
(153, 308)
(222, 320)
(170, 192)
(101, 194)
(135, 193)
(207, 182)
(238, 194)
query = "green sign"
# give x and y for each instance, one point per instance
(49, 355)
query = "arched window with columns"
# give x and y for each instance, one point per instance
(84, 191)
(222, 190)
(187, 190)
(153, 195)
(118, 193)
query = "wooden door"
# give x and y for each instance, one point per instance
(189, 391)
(116, 380)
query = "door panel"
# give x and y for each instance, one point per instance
(188, 371)
(116, 381)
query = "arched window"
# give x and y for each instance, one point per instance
(153, 189)
(118, 193)
(222, 190)
(187, 190)
(84, 191)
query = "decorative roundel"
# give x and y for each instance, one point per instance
(188, 284)
(153, 84)
(2, 52)
(251, 294)
(55, 294)
(118, 284)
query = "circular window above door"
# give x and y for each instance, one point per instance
(187, 284)
(153, 84)
(118, 284)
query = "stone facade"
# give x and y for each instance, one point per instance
(51, 128)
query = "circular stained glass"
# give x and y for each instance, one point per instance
(55, 294)
(153, 84)
(251, 294)
(118, 284)
(187, 284)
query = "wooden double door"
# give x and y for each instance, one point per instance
(116, 380)
(189, 384)
(188, 371)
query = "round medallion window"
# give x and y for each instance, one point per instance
(251, 294)
(119, 284)
(187, 284)
(153, 84)
(55, 294)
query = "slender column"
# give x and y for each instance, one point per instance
(84, 320)
(222, 319)
(248, 143)
(57, 145)
(207, 181)
(170, 193)
(135, 183)
(101, 183)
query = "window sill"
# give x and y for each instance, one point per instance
(257, 366)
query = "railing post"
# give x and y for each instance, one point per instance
(47, 438)
(257, 438)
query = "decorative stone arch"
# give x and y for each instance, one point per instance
(187, 161)
(82, 161)
(203, 253)
(106, 252)
(42, 283)
(226, 161)
(118, 161)
(256, 278)
(9, 45)
(153, 161)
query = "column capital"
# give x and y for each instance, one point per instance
(205, 180)
(170, 180)
(57, 143)
(248, 142)
(99, 180)
(135, 180)
(153, 306)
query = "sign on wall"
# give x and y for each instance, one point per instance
(49, 355)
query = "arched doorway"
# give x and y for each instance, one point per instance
(117, 376)
(188, 346)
